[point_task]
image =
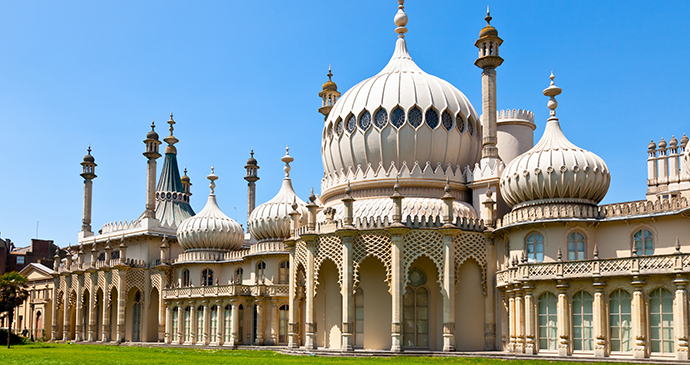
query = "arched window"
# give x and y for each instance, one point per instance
(175, 318)
(583, 325)
(620, 321)
(548, 322)
(240, 331)
(415, 117)
(460, 123)
(644, 241)
(351, 123)
(381, 118)
(185, 278)
(214, 324)
(238, 275)
(207, 277)
(431, 117)
(282, 323)
(661, 321)
(339, 127)
(398, 117)
(359, 318)
(576, 246)
(227, 323)
(365, 121)
(199, 323)
(260, 271)
(534, 245)
(188, 324)
(416, 311)
(446, 120)
(470, 126)
(283, 272)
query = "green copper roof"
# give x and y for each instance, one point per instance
(170, 175)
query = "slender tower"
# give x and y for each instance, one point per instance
(251, 178)
(152, 154)
(329, 95)
(488, 44)
(88, 173)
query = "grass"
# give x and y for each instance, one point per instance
(45, 353)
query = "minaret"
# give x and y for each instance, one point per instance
(186, 183)
(88, 173)
(329, 95)
(251, 178)
(488, 60)
(152, 154)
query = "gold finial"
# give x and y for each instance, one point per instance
(287, 159)
(171, 122)
(400, 19)
(329, 72)
(552, 91)
(488, 16)
(213, 179)
(171, 140)
(153, 124)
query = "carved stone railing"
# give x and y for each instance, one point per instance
(371, 223)
(226, 290)
(643, 265)
(267, 247)
(64, 268)
(210, 256)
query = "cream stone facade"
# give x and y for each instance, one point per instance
(436, 228)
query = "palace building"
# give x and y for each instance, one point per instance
(437, 228)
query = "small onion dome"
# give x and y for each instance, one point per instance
(652, 145)
(489, 30)
(673, 142)
(270, 221)
(555, 170)
(662, 143)
(152, 134)
(89, 158)
(210, 229)
(684, 140)
(330, 85)
(252, 161)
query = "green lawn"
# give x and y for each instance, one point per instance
(102, 354)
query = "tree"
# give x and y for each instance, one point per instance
(12, 293)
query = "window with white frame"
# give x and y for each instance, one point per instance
(576, 246)
(643, 240)
(534, 245)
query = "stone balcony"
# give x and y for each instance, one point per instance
(259, 290)
(595, 268)
(76, 267)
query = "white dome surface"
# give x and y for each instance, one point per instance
(411, 207)
(210, 229)
(555, 170)
(384, 123)
(271, 220)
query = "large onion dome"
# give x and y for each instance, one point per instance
(555, 170)
(270, 221)
(401, 122)
(211, 229)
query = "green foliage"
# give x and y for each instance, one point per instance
(44, 353)
(14, 339)
(12, 291)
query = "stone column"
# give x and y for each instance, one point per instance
(180, 323)
(292, 299)
(448, 289)
(519, 322)
(92, 305)
(310, 340)
(639, 319)
(563, 322)
(220, 321)
(192, 322)
(348, 329)
(106, 314)
(530, 323)
(505, 330)
(512, 324)
(397, 287)
(66, 323)
(56, 303)
(259, 322)
(79, 316)
(161, 306)
(600, 328)
(168, 323)
(207, 325)
(680, 318)
(274, 321)
(121, 302)
(234, 333)
(490, 300)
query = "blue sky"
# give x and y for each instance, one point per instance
(239, 74)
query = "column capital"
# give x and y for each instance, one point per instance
(395, 230)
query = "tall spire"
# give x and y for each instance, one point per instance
(400, 19)
(329, 95)
(252, 177)
(488, 60)
(171, 140)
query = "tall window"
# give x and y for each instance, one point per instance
(188, 324)
(534, 244)
(238, 275)
(185, 278)
(661, 321)
(359, 318)
(644, 241)
(576, 246)
(240, 331)
(199, 323)
(548, 322)
(283, 323)
(175, 317)
(416, 311)
(214, 324)
(260, 271)
(207, 277)
(620, 321)
(283, 272)
(583, 326)
(227, 323)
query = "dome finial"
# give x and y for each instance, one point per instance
(552, 91)
(488, 16)
(287, 159)
(171, 140)
(330, 74)
(400, 20)
(213, 179)
(153, 124)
